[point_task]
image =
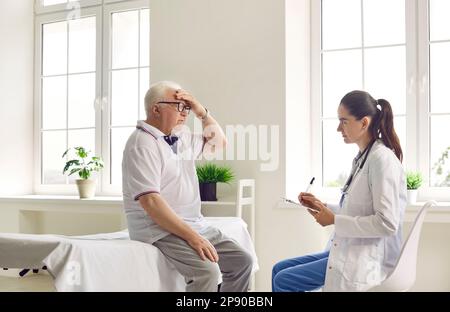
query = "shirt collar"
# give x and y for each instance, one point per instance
(155, 132)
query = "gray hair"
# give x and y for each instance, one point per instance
(157, 92)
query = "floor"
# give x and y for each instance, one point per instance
(30, 282)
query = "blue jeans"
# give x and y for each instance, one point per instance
(300, 274)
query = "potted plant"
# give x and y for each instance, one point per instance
(84, 165)
(209, 175)
(413, 182)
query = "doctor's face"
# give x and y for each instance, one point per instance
(352, 130)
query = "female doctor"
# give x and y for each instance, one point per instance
(368, 220)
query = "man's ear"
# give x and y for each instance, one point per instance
(155, 109)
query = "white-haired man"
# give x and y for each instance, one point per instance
(161, 192)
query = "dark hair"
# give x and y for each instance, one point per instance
(361, 104)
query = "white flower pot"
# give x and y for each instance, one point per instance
(412, 196)
(86, 188)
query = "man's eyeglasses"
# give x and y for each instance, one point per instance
(181, 106)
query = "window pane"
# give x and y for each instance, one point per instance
(54, 102)
(439, 77)
(124, 97)
(400, 129)
(125, 39)
(119, 137)
(54, 48)
(82, 45)
(144, 86)
(439, 20)
(337, 155)
(384, 22)
(387, 79)
(145, 38)
(81, 101)
(342, 73)
(440, 150)
(341, 24)
(53, 146)
(84, 138)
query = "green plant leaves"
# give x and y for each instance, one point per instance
(70, 163)
(81, 152)
(413, 180)
(210, 173)
(82, 163)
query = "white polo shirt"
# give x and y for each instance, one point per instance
(151, 166)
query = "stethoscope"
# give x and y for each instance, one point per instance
(347, 184)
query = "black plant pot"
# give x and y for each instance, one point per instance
(208, 191)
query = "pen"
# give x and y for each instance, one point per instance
(310, 185)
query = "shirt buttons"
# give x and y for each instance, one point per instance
(330, 267)
(335, 245)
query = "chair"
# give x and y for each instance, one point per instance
(403, 276)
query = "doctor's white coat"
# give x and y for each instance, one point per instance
(368, 227)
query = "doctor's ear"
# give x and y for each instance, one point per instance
(365, 122)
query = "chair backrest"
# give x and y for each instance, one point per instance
(403, 276)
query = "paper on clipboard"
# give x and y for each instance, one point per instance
(298, 204)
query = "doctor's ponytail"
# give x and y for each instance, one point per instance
(383, 128)
(361, 104)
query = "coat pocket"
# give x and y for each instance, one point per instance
(363, 265)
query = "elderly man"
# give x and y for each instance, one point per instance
(161, 192)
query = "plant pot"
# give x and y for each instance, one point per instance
(86, 188)
(412, 196)
(208, 191)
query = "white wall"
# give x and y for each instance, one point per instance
(16, 96)
(231, 55)
(433, 270)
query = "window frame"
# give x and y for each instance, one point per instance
(426, 192)
(109, 188)
(417, 98)
(39, 187)
(65, 7)
(56, 13)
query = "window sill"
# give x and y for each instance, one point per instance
(97, 200)
(437, 214)
(62, 199)
(441, 206)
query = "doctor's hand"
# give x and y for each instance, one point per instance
(204, 248)
(324, 216)
(307, 200)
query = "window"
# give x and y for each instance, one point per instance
(439, 103)
(373, 45)
(128, 74)
(91, 77)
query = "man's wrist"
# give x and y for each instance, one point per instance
(204, 115)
